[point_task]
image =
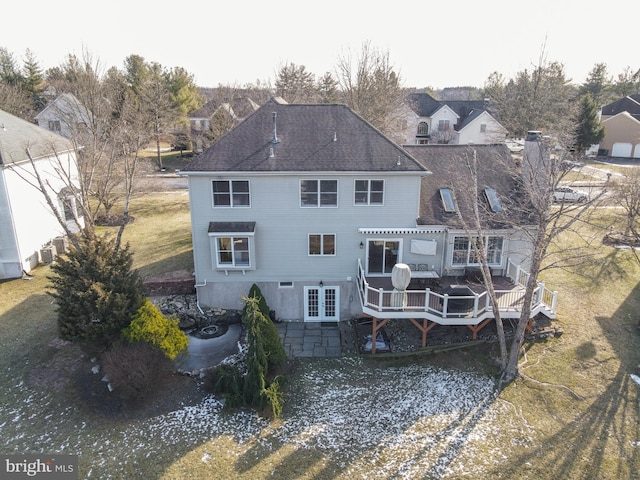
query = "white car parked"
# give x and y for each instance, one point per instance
(568, 194)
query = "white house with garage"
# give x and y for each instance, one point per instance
(29, 225)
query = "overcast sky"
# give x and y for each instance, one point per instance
(438, 44)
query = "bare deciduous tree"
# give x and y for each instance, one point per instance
(542, 171)
(371, 87)
(467, 188)
(14, 100)
(540, 98)
(625, 193)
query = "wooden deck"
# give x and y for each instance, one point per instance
(449, 301)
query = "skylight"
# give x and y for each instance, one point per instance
(449, 203)
(494, 201)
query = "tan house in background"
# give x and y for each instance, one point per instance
(621, 121)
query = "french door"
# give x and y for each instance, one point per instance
(321, 304)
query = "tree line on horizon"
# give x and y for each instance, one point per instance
(540, 97)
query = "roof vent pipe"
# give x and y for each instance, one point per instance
(335, 136)
(275, 132)
(271, 154)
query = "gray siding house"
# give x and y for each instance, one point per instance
(281, 201)
(317, 207)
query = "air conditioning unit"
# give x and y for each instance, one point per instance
(47, 254)
(61, 243)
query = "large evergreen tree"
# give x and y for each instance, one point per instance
(295, 84)
(34, 80)
(589, 130)
(95, 290)
(599, 85)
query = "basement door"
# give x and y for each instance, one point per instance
(321, 304)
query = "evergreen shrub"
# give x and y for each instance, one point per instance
(151, 326)
(95, 289)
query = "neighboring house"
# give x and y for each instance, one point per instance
(456, 122)
(621, 121)
(28, 223)
(64, 115)
(216, 118)
(317, 207)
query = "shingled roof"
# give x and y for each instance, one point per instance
(238, 107)
(629, 104)
(449, 165)
(425, 105)
(16, 135)
(282, 137)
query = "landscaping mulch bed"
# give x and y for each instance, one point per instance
(403, 336)
(69, 372)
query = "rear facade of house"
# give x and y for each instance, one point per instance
(306, 201)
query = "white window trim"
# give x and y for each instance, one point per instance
(230, 182)
(318, 204)
(399, 254)
(368, 202)
(470, 249)
(322, 235)
(216, 251)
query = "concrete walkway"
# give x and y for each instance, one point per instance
(320, 340)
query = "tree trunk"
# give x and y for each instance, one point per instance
(511, 372)
(159, 156)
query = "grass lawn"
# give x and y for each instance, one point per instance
(576, 415)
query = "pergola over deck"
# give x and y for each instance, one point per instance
(426, 308)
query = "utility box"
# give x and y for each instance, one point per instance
(61, 243)
(48, 254)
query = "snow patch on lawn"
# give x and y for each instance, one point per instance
(410, 421)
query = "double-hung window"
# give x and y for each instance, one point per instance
(369, 192)
(231, 193)
(322, 244)
(233, 252)
(318, 193)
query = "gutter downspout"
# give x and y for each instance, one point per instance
(198, 296)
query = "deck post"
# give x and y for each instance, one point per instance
(476, 328)
(424, 328)
(541, 293)
(374, 332)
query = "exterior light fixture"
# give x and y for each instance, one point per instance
(321, 284)
(361, 244)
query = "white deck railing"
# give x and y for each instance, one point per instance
(454, 310)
